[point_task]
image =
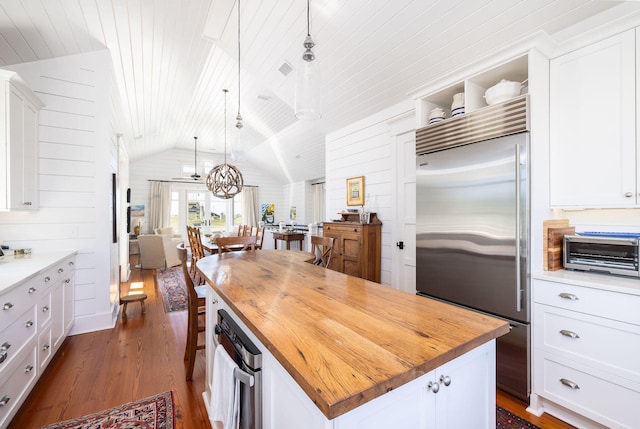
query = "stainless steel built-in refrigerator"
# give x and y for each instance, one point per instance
(472, 246)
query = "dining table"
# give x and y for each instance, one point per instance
(212, 248)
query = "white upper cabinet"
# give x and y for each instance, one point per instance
(18, 144)
(593, 149)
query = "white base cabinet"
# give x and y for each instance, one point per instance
(35, 316)
(434, 400)
(586, 347)
(19, 145)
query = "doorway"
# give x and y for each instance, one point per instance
(200, 209)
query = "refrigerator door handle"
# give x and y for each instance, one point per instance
(518, 237)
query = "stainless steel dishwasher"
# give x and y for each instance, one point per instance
(249, 360)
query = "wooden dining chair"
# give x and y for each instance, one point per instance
(259, 237)
(196, 318)
(322, 248)
(197, 251)
(231, 244)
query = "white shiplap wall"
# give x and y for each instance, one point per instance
(366, 148)
(76, 160)
(166, 165)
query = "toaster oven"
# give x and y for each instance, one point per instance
(602, 254)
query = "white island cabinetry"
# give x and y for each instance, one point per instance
(342, 352)
(431, 401)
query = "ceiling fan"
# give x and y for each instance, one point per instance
(195, 177)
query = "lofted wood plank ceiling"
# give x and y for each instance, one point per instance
(172, 58)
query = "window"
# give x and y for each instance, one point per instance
(175, 211)
(237, 210)
(218, 215)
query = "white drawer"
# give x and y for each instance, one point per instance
(607, 399)
(45, 347)
(611, 305)
(44, 308)
(16, 301)
(14, 337)
(53, 274)
(15, 387)
(606, 344)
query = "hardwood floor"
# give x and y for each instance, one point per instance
(142, 356)
(518, 407)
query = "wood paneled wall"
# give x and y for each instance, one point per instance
(77, 156)
(366, 148)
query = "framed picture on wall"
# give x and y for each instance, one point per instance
(355, 191)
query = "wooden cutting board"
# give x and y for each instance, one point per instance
(555, 246)
(552, 255)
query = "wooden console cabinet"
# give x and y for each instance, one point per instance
(356, 248)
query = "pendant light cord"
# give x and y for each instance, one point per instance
(225, 125)
(308, 19)
(238, 64)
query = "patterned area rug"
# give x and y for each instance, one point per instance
(154, 412)
(172, 288)
(507, 420)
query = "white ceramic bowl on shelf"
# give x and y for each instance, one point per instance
(502, 91)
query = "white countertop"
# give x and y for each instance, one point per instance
(16, 269)
(630, 285)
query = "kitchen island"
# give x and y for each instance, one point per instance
(351, 345)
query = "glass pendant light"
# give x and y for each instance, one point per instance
(237, 149)
(225, 180)
(308, 101)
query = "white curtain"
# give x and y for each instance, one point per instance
(160, 205)
(250, 209)
(318, 202)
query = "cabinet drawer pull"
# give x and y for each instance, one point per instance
(60, 270)
(570, 334)
(46, 347)
(433, 386)
(628, 194)
(67, 281)
(5, 400)
(26, 203)
(445, 379)
(71, 263)
(45, 308)
(28, 369)
(29, 323)
(7, 306)
(569, 296)
(47, 279)
(32, 290)
(569, 383)
(3, 351)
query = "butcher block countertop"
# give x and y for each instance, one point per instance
(343, 339)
